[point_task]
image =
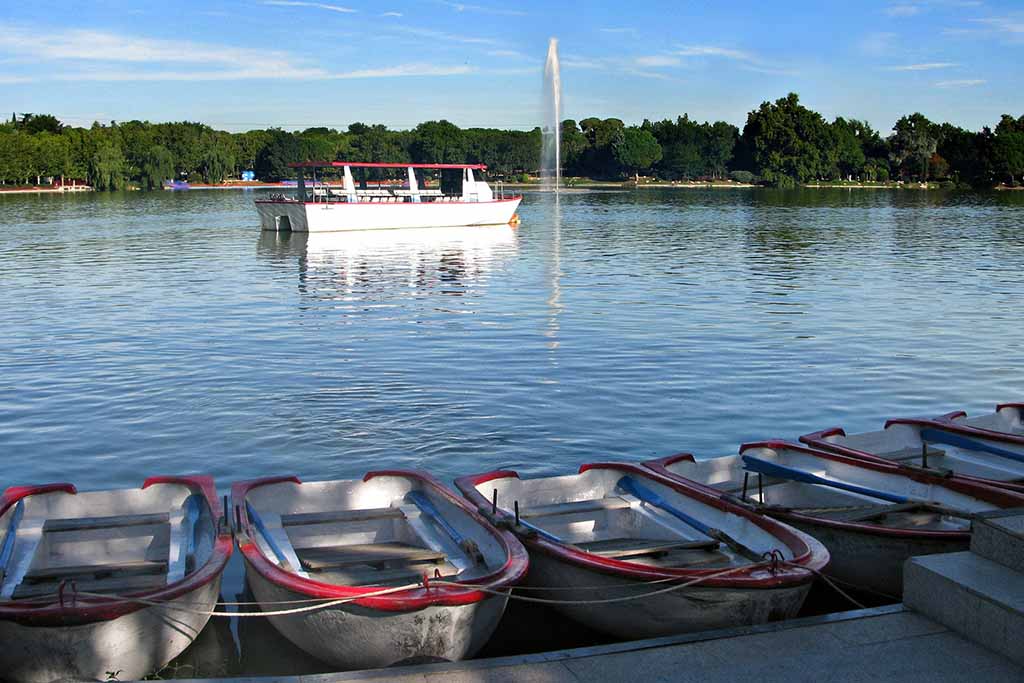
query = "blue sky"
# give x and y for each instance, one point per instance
(238, 65)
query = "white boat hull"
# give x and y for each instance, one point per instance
(342, 216)
(353, 637)
(131, 646)
(686, 610)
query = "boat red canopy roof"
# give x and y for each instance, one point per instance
(370, 164)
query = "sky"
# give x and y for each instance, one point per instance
(238, 65)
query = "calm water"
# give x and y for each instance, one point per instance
(147, 333)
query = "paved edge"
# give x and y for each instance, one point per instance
(570, 654)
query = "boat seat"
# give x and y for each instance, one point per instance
(112, 522)
(620, 548)
(330, 557)
(131, 567)
(116, 585)
(392, 576)
(592, 505)
(327, 516)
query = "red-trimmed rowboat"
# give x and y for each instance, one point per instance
(871, 514)
(346, 539)
(167, 542)
(617, 531)
(988, 449)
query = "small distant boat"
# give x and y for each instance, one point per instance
(988, 449)
(354, 540)
(316, 207)
(871, 514)
(623, 542)
(72, 566)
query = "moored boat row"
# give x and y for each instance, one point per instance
(397, 566)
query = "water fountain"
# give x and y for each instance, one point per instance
(551, 129)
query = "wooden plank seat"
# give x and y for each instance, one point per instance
(116, 585)
(112, 522)
(393, 576)
(97, 571)
(580, 506)
(620, 548)
(866, 513)
(330, 516)
(335, 557)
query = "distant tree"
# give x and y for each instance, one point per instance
(598, 159)
(574, 144)
(789, 143)
(39, 123)
(438, 142)
(720, 142)
(636, 150)
(156, 167)
(107, 168)
(217, 164)
(52, 155)
(272, 161)
(248, 145)
(1009, 147)
(850, 156)
(914, 141)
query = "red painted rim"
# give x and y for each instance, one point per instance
(90, 610)
(817, 441)
(509, 574)
(945, 423)
(1001, 498)
(378, 164)
(807, 552)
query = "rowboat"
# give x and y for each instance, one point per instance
(637, 555)
(317, 207)
(96, 583)
(401, 566)
(988, 449)
(871, 514)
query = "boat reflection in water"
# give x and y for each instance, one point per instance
(391, 263)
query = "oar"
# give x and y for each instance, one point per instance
(468, 545)
(638, 490)
(282, 559)
(8, 547)
(791, 473)
(938, 436)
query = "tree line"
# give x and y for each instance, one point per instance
(782, 143)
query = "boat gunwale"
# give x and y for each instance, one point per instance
(447, 595)
(513, 198)
(1001, 498)
(77, 610)
(945, 422)
(817, 440)
(809, 554)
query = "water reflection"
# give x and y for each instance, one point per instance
(408, 262)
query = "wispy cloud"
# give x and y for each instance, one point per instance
(314, 5)
(403, 70)
(509, 54)
(902, 10)
(391, 14)
(620, 30)
(878, 44)
(465, 7)
(443, 36)
(962, 83)
(714, 51)
(910, 8)
(658, 60)
(929, 66)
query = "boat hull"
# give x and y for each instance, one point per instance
(869, 561)
(342, 216)
(685, 610)
(132, 646)
(350, 636)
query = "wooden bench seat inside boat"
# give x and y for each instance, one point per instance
(332, 516)
(621, 548)
(331, 557)
(116, 585)
(580, 506)
(83, 523)
(396, 576)
(96, 570)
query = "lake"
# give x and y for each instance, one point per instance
(163, 332)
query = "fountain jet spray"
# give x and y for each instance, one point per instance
(551, 130)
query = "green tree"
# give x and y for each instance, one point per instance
(272, 161)
(107, 168)
(636, 150)
(1009, 147)
(40, 123)
(789, 143)
(914, 141)
(438, 142)
(574, 145)
(216, 164)
(156, 167)
(850, 157)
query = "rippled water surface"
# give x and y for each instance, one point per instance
(147, 333)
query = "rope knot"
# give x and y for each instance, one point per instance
(775, 558)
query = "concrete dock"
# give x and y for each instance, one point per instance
(963, 619)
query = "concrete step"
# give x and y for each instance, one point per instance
(999, 536)
(980, 599)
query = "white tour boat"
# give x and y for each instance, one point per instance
(317, 207)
